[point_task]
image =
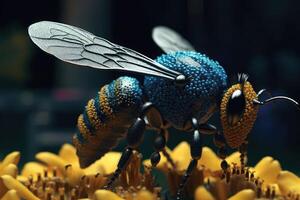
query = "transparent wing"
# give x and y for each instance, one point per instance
(169, 40)
(77, 46)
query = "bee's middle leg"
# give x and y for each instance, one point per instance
(134, 138)
(196, 153)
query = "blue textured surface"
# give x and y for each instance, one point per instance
(207, 82)
(124, 92)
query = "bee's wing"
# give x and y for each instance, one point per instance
(169, 40)
(77, 46)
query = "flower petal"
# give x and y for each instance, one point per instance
(288, 182)
(32, 168)
(106, 165)
(267, 169)
(209, 159)
(244, 195)
(52, 160)
(10, 169)
(12, 158)
(235, 158)
(68, 153)
(73, 174)
(22, 179)
(145, 195)
(202, 194)
(22, 191)
(11, 195)
(107, 195)
(182, 156)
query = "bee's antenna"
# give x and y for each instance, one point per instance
(255, 101)
(260, 92)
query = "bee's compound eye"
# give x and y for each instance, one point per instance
(235, 107)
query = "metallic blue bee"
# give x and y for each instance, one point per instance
(181, 88)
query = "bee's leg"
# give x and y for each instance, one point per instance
(196, 152)
(155, 121)
(164, 134)
(208, 129)
(220, 142)
(134, 138)
(159, 146)
(243, 151)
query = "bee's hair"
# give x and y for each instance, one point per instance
(242, 78)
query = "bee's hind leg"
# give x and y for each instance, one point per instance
(196, 152)
(134, 138)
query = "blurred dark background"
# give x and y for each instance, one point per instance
(41, 97)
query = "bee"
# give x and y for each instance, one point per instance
(181, 88)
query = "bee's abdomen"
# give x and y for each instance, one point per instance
(106, 119)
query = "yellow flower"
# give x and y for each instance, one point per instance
(108, 195)
(8, 167)
(11, 195)
(66, 157)
(209, 164)
(60, 177)
(268, 169)
(181, 156)
(21, 190)
(263, 178)
(66, 164)
(18, 190)
(202, 194)
(238, 186)
(289, 184)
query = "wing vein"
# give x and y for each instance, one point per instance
(77, 46)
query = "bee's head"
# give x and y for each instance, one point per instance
(239, 108)
(238, 112)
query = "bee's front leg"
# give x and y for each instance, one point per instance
(220, 142)
(243, 151)
(160, 146)
(134, 138)
(196, 152)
